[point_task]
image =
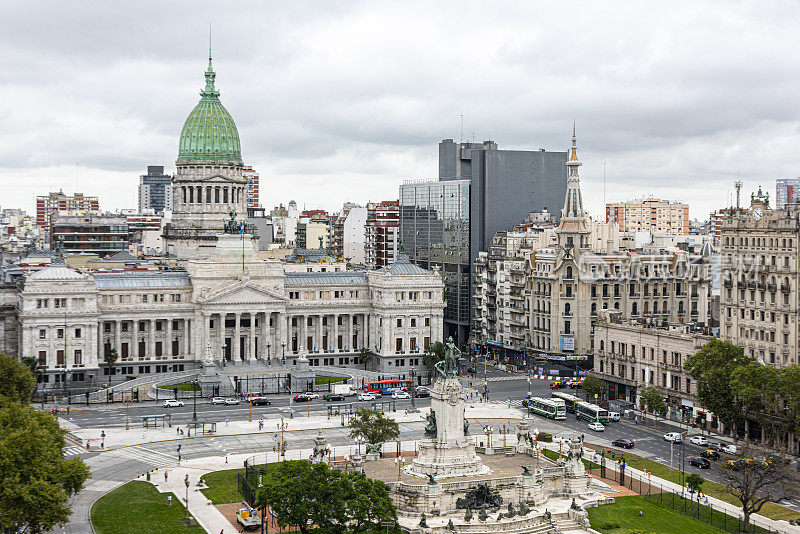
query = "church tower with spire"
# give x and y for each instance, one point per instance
(208, 186)
(573, 231)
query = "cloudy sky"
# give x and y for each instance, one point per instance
(341, 101)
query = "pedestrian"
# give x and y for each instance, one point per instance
(169, 500)
(177, 431)
(226, 421)
(165, 476)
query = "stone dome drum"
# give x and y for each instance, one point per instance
(209, 134)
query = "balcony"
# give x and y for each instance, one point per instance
(727, 283)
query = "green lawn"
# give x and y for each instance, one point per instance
(322, 380)
(554, 455)
(223, 486)
(181, 387)
(712, 489)
(622, 517)
(138, 508)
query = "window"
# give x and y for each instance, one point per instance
(78, 357)
(60, 333)
(42, 357)
(60, 303)
(398, 345)
(78, 333)
(413, 323)
(399, 323)
(42, 333)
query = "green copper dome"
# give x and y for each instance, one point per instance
(209, 133)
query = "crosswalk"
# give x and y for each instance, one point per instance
(73, 450)
(142, 454)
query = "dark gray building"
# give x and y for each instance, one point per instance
(481, 190)
(155, 190)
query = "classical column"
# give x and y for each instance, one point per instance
(265, 336)
(303, 333)
(336, 332)
(237, 337)
(207, 332)
(350, 343)
(134, 352)
(252, 336)
(117, 338)
(168, 345)
(151, 350)
(320, 345)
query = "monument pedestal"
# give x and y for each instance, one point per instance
(451, 453)
(301, 375)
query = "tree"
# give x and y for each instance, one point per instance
(593, 386)
(790, 393)
(365, 356)
(653, 402)
(36, 481)
(110, 357)
(16, 381)
(433, 355)
(301, 494)
(373, 427)
(694, 482)
(712, 367)
(758, 390)
(754, 483)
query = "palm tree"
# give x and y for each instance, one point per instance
(366, 356)
(110, 357)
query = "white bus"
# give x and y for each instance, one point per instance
(569, 400)
(552, 408)
(591, 412)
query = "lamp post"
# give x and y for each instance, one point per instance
(413, 408)
(283, 349)
(282, 427)
(269, 358)
(194, 401)
(186, 483)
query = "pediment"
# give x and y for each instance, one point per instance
(239, 292)
(220, 179)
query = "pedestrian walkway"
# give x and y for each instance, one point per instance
(73, 450)
(154, 459)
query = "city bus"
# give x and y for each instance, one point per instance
(569, 400)
(387, 387)
(591, 412)
(552, 408)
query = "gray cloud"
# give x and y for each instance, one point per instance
(343, 101)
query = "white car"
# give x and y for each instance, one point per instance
(614, 416)
(699, 440)
(597, 427)
(231, 400)
(172, 403)
(730, 449)
(674, 437)
(218, 400)
(367, 396)
(311, 395)
(401, 395)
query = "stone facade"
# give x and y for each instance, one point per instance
(759, 281)
(163, 322)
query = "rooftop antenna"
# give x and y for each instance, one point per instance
(461, 139)
(738, 185)
(209, 41)
(604, 181)
(76, 176)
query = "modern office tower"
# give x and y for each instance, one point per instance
(155, 190)
(787, 191)
(382, 240)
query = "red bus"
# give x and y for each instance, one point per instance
(387, 387)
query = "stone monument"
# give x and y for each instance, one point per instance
(446, 451)
(301, 374)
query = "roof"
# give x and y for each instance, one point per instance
(402, 265)
(310, 255)
(156, 279)
(59, 272)
(330, 279)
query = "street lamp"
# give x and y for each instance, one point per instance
(194, 401)
(413, 408)
(283, 348)
(282, 427)
(269, 358)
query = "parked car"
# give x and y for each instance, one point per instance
(312, 395)
(302, 398)
(614, 416)
(624, 443)
(367, 396)
(558, 384)
(218, 400)
(172, 403)
(471, 370)
(710, 454)
(231, 400)
(699, 440)
(576, 384)
(674, 437)
(716, 446)
(597, 427)
(699, 461)
(422, 392)
(333, 397)
(399, 394)
(730, 449)
(260, 401)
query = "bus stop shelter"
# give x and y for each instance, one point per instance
(203, 427)
(156, 421)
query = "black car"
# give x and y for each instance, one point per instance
(260, 401)
(422, 393)
(333, 397)
(699, 461)
(624, 443)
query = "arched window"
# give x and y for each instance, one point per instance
(602, 347)
(594, 310)
(569, 273)
(680, 308)
(567, 309)
(646, 308)
(634, 309)
(616, 305)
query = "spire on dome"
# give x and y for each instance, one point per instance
(573, 203)
(210, 90)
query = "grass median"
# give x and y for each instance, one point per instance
(322, 380)
(138, 508)
(623, 517)
(712, 489)
(223, 486)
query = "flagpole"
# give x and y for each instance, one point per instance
(241, 237)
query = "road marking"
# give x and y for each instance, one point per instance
(73, 450)
(145, 455)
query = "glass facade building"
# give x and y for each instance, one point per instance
(434, 232)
